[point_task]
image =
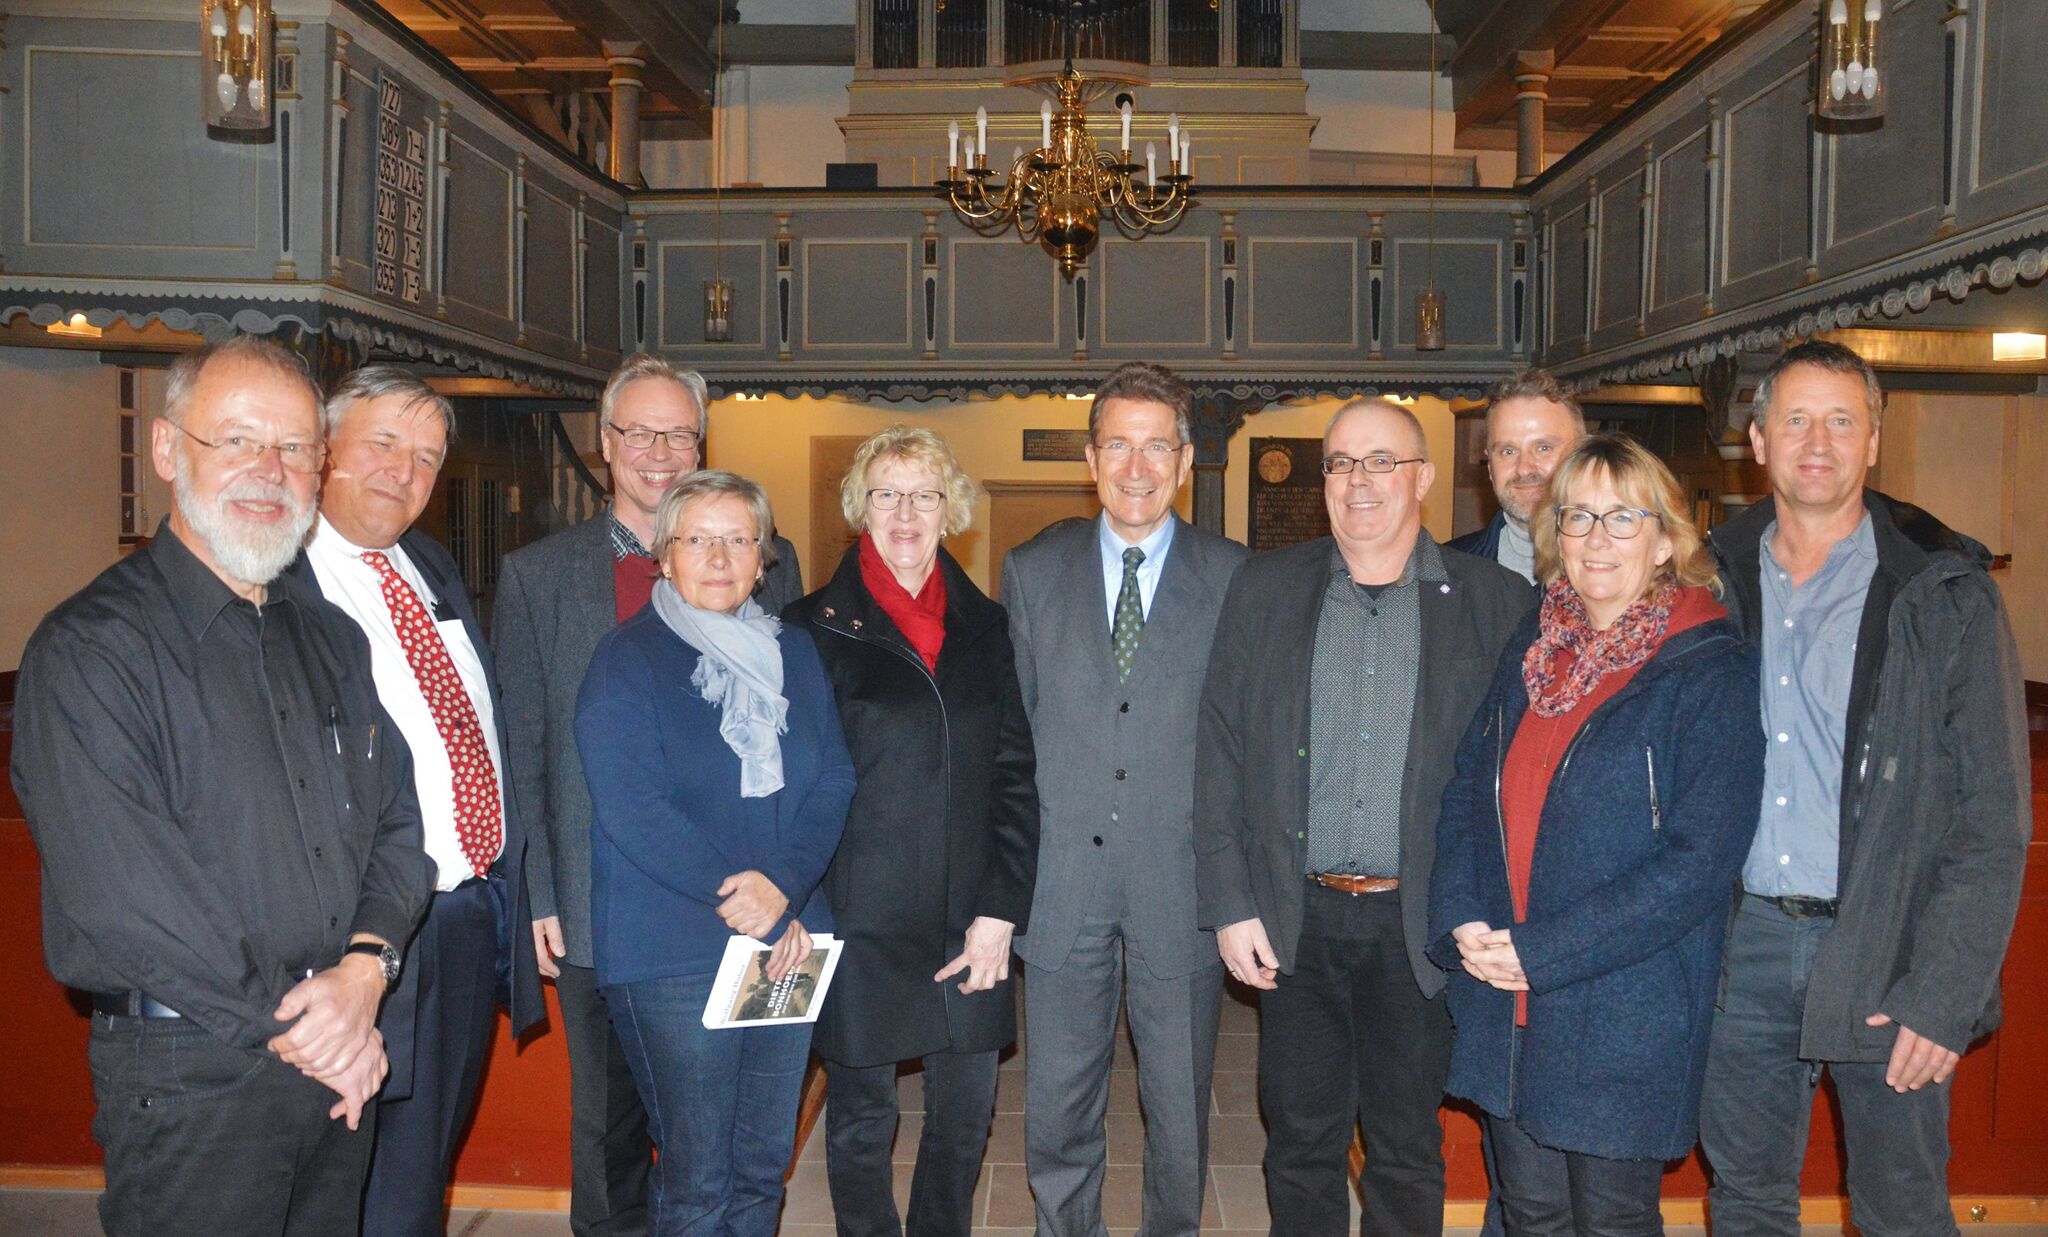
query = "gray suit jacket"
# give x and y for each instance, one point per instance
(1115, 749)
(1252, 773)
(555, 602)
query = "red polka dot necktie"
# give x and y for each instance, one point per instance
(479, 823)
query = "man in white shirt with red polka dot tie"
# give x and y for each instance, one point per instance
(388, 435)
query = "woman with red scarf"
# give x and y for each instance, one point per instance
(1587, 851)
(935, 871)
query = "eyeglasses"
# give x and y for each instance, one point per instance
(1338, 465)
(698, 546)
(640, 439)
(1154, 452)
(1622, 523)
(239, 451)
(889, 500)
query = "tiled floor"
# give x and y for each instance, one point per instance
(1235, 1202)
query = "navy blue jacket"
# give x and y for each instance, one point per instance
(518, 975)
(1644, 832)
(1482, 542)
(670, 824)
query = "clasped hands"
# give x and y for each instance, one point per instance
(1489, 956)
(335, 1040)
(752, 907)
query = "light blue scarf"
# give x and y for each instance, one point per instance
(741, 672)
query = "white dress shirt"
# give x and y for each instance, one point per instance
(352, 584)
(1155, 547)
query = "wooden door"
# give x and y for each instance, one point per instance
(831, 456)
(1020, 510)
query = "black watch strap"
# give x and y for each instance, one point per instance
(386, 956)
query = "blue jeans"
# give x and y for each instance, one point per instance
(1758, 1102)
(722, 1104)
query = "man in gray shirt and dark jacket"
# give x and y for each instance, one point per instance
(1344, 672)
(1882, 887)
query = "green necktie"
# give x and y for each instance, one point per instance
(1130, 615)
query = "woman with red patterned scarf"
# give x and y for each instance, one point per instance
(1588, 848)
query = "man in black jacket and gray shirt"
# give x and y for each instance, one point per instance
(1344, 672)
(1881, 889)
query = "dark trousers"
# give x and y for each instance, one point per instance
(1070, 1017)
(452, 966)
(1758, 1102)
(609, 1145)
(860, 1128)
(1348, 1038)
(1544, 1192)
(205, 1140)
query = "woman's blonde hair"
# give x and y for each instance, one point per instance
(1639, 478)
(918, 446)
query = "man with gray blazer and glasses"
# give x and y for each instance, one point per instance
(556, 599)
(1112, 619)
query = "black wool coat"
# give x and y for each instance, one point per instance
(944, 823)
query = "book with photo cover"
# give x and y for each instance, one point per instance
(744, 996)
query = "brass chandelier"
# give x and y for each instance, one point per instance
(1059, 193)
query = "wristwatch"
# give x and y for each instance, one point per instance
(387, 960)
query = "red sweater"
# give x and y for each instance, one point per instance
(1540, 742)
(633, 580)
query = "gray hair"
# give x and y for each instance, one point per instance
(713, 483)
(643, 365)
(253, 349)
(377, 381)
(1821, 354)
(1380, 403)
(1149, 383)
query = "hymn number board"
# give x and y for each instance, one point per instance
(399, 261)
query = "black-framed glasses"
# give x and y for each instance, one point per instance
(640, 438)
(885, 499)
(1380, 462)
(242, 451)
(1153, 452)
(1621, 523)
(698, 545)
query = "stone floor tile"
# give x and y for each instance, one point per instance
(1235, 1091)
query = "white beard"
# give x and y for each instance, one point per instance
(252, 553)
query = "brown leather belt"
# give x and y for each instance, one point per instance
(1346, 882)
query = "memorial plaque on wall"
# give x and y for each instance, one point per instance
(1286, 493)
(1057, 446)
(399, 252)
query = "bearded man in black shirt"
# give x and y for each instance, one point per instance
(229, 836)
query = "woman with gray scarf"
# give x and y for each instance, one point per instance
(721, 781)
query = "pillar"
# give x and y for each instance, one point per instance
(627, 63)
(1532, 79)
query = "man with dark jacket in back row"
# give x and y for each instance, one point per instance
(1882, 886)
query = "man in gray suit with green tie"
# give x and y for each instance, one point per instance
(1112, 620)
(556, 599)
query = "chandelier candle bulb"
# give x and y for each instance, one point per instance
(1151, 164)
(1124, 140)
(1172, 134)
(981, 128)
(1045, 124)
(952, 145)
(1187, 158)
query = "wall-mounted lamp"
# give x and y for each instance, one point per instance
(235, 57)
(2014, 346)
(75, 326)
